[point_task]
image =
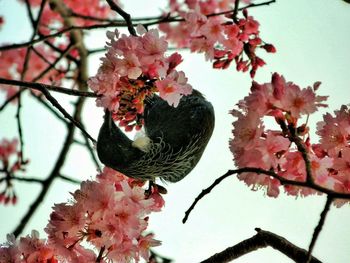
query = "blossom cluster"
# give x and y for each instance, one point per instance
(134, 68)
(13, 62)
(254, 145)
(27, 249)
(222, 38)
(10, 161)
(109, 216)
(42, 57)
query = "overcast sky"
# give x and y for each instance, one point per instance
(312, 39)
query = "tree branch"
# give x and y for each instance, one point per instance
(76, 39)
(124, 14)
(41, 86)
(58, 34)
(319, 226)
(282, 180)
(69, 179)
(261, 240)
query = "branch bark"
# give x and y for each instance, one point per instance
(261, 240)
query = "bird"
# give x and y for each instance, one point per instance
(174, 140)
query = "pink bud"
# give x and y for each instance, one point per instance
(269, 48)
(218, 64)
(259, 62)
(245, 12)
(278, 84)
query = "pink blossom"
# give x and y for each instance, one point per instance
(247, 131)
(28, 249)
(212, 30)
(12, 62)
(153, 47)
(298, 101)
(110, 213)
(274, 149)
(208, 34)
(335, 131)
(7, 148)
(134, 68)
(320, 168)
(173, 87)
(128, 66)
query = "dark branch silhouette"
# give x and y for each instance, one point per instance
(261, 240)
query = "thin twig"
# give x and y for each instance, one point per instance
(41, 86)
(52, 100)
(100, 254)
(8, 100)
(116, 24)
(97, 50)
(319, 226)
(282, 180)
(52, 65)
(92, 18)
(27, 180)
(205, 192)
(57, 34)
(69, 179)
(75, 38)
(124, 14)
(53, 47)
(30, 13)
(55, 103)
(37, 21)
(235, 11)
(19, 128)
(261, 240)
(92, 153)
(304, 153)
(158, 258)
(43, 102)
(55, 172)
(35, 25)
(169, 19)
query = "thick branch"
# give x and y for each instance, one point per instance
(261, 240)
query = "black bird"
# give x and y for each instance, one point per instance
(175, 139)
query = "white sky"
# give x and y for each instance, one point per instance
(312, 39)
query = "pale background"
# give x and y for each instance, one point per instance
(313, 40)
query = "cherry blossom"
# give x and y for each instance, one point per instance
(13, 66)
(105, 221)
(255, 145)
(111, 214)
(29, 249)
(335, 131)
(222, 39)
(134, 68)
